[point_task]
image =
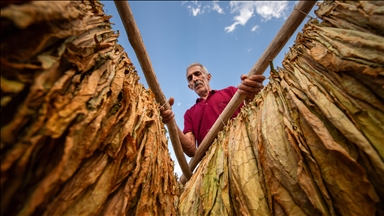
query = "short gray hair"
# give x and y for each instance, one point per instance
(198, 64)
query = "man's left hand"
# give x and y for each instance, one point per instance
(250, 86)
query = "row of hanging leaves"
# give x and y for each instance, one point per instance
(79, 134)
(311, 143)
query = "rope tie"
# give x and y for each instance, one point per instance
(222, 120)
(163, 105)
(303, 13)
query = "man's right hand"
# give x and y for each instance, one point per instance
(167, 115)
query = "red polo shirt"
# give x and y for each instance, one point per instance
(201, 116)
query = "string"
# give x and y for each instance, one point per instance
(221, 120)
(163, 105)
(303, 13)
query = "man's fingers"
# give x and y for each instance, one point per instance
(167, 118)
(243, 77)
(250, 94)
(171, 100)
(244, 89)
(255, 77)
(249, 84)
(167, 115)
(254, 81)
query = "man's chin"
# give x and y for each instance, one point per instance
(199, 90)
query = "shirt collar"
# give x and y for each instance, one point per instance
(210, 93)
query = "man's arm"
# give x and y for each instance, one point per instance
(187, 140)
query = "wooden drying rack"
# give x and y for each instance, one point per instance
(297, 16)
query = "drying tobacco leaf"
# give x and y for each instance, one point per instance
(214, 197)
(364, 16)
(80, 134)
(311, 142)
(243, 173)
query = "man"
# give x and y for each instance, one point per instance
(201, 116)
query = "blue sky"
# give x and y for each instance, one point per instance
(227, 37)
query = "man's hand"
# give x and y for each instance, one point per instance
(251, 86)
(167, 115)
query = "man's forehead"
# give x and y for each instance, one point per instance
(194, 69)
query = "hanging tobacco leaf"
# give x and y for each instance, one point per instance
(311, 143)
(79, 134)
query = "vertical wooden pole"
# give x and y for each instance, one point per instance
(137, 44)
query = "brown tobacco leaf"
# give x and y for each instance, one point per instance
(361, 109)
(209, 194)
(342, 162)
(361, 56)
(86, 176)
(360, 105)
(311, 142)
(35, 11)
(305, 179)
(280, 158)
(245, 188)
(364, 16)
(81, 135)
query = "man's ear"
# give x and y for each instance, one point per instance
(209, 76)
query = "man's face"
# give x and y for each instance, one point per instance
(198, 80)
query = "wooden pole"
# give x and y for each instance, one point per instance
(289, 27)
(137, 44)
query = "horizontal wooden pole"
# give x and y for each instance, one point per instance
(137, 44)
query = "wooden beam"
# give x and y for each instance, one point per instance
(137, 44)
(286, 31)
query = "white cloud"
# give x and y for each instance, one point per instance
(178, 104)
(231, 27)
(196, 7)
(249, 50)
(245, 10)
(254, 28)
(195, 11)
(216, 7)
(273, 9)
